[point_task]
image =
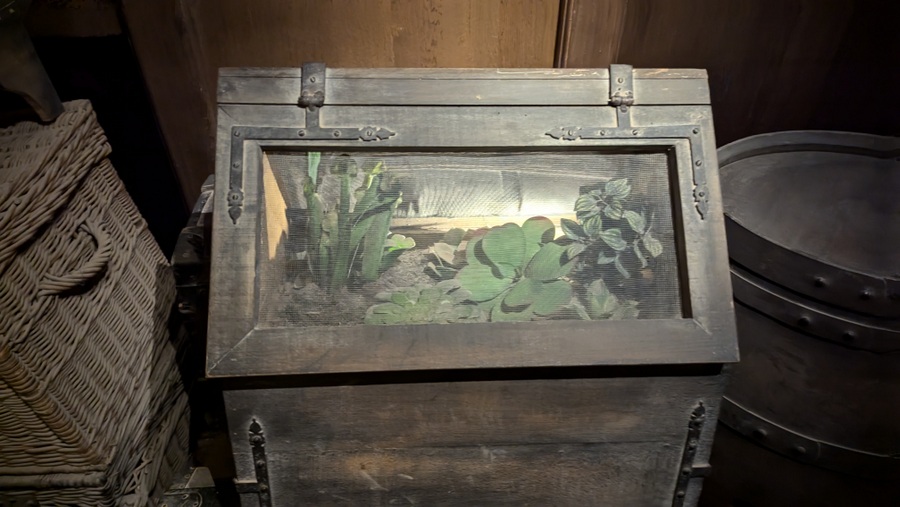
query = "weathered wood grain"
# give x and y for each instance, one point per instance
(769, 61)
(592, 441)
(181, 45)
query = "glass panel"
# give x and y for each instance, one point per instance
(411, 238)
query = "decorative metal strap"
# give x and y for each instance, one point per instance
(312, 97)
(258, 448)
(804, 449)
(688, 468)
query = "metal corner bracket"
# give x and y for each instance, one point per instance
(621, 97)
(312, 98)
(261, 485)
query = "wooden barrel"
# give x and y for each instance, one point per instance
(812, 412)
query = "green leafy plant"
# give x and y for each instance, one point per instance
(603, 304)
(356, 227)
(607, 232)
(442, 303)
(516, 272)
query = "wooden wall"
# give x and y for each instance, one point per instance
(773, 64)
(181, 44)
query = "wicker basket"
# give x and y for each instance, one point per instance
(90, 397)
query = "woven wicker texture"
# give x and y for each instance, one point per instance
(89, 391)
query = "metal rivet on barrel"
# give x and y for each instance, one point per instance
(760, 433)
(803, 321)
(680, 494)
(696, 131)
(848, 336)
(602, 132)
(819, 281)
(301, 133)
(235, 165)
(698, 163)
(237, 133)
(634, 132)
(799, 450)
(336, 133)
(865, 295)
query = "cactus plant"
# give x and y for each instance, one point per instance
(442, 303)
(357, 226)
(516, 272)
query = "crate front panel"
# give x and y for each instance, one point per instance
(612, 441)
(248, 331)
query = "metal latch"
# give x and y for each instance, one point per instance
(312, 88)
(621, 92)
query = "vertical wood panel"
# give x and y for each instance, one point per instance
(590, 32)
(768, 60)
(182, 44)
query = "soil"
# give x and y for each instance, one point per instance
(310, 305)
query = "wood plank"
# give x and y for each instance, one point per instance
(162, 41)
(590, 32)
(580, 441)
(340, 349)
(181, 45)
(73, 18)
(766, 72)
(485, 92)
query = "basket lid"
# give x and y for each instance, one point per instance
(40, 167)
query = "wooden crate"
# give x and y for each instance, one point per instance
(532, 400)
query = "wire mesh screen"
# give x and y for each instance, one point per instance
(414, 238)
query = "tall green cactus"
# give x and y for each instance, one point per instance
(348, 233)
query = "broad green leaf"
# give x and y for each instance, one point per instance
(571, 229)
(405, 297)
(399, 242)
(626, 310)
(580, 310)
(574, 249)
(505, 245)
(621, 269)
(652, 245)
(454, 236)
(613, 238)
(593, 226)
(601, 303)
(639, 254)
(551, 297)
(499, 315)
(539, 230)
(618, 189)
(603, 259)
(614, 211)
(506, 270)
(635, 220)
(585, 203)
(475, 254)
(523, 293)
(548, 264)
(480, 281)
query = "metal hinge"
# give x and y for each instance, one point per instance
(260, 465)
(621, 92)
(688, 469)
